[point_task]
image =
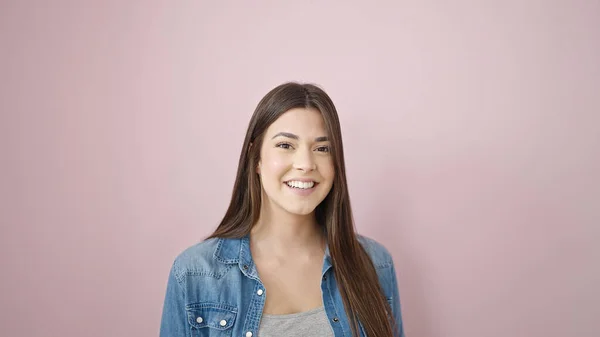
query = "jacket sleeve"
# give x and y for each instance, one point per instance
(399, 329)
(174, 317)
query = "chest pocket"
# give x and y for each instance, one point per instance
(211, 319)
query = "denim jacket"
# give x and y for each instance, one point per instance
(214, 290)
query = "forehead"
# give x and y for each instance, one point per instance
(302, 122)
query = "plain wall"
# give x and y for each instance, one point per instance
(471, 130)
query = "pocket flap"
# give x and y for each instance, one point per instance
(211, 315)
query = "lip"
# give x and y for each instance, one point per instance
(304, 180)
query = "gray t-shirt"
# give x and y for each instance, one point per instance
(309, 323)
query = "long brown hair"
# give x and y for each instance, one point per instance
(353, 269)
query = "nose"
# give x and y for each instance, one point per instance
(303, 160)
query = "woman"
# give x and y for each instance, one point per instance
(285, 260)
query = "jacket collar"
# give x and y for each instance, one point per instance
(237, 251)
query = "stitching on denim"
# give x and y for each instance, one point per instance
(384, 265)
(195, 309)
(217, 253)
(207, 273)
(177, 274)
(335, 309)
(211, 305)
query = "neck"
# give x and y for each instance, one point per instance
(284, 234)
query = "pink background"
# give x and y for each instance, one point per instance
(471, 128)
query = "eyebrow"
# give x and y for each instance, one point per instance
(293, 136)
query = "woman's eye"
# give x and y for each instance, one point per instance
(323, 149)
(284, 145)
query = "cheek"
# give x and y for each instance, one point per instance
(274, 166)
(327, 170)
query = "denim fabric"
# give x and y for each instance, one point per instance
(214, 290)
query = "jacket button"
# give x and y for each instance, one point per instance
(249, 334)
(259, 292)
(335, 319)
(245, 267)
(223, 322)
(199, 320)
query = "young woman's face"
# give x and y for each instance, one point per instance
(296, 169)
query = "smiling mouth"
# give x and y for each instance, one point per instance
(303, 185)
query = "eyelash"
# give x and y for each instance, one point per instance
(326, 149)
(282, 144)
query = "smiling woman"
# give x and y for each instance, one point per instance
(296, 162)
(286, 260)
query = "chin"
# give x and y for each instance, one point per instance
(300, 210)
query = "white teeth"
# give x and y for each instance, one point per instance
(300, 184)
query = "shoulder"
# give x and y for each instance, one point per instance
(196, 259)
(384, 266)
(378, 253)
